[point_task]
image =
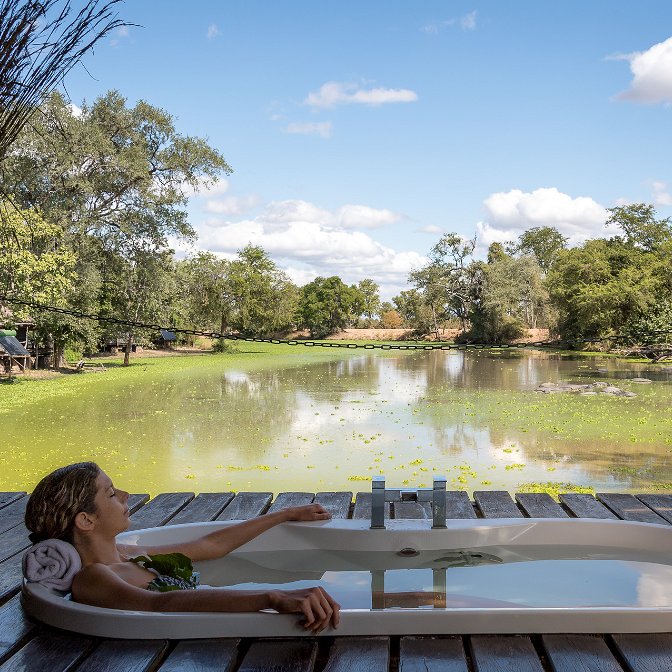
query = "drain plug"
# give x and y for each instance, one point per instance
(408, 552)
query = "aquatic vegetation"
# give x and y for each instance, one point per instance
(554, 489)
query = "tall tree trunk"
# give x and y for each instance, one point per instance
(128, 349)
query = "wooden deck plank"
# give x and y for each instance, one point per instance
(661, 504)
(202, 655)
(496, 504)
(458, 504)
(645, 652)
(9, 497)
(628, 507)
(362, 507)
(540, 505)
(411, 510)
(359, 654)
(160, 510)
(15, 628)
(431, 654)
(579, 653)
(136, 501)
(13, 514)
(49, 652)
(10, 577)
(206, 506)
(287, 655)
(337, 503)
(504, 653)
(13, 541)
(125, 655)
(286, 499)
(246, 505)
(586, 506)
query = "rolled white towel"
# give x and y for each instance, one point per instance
(52, 563)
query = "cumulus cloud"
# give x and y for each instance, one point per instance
(510, 213)
(343, 93)
(430, 228)
(651, 74)
(661, 195)
(309, 241)
(232, 205)
(205, 188)
(321, 128)
(213, 31)
(75, 110)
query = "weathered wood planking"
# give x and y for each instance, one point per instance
(287, 499)
(645, 653)
(359, 654)
(539, 505)
(246, 505)
(160, 510)
(289, 655)
(206, 506)
(15, 628)
(203, 655)
(504, 653)
(411, 510)
(13, 514)
(125, 656)
(586, 506)
(363, 503)
(579, 653)
(431, 654)
(50, 651)
(496, 504)
(661, 504)
(337, 503)
(9, 497)
(628, 507)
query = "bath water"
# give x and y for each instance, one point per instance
(487, 577)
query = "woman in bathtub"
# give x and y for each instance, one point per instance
(80, 505)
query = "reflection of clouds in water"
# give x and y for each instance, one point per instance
(654, 586)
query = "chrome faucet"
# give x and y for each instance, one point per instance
(378, 503)
(439, 503)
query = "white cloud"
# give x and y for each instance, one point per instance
(118, 35)
(661, 195)
(510, 213)
(206, 188)
(232, 205)
(311, 241)
(430, 228)
(321, 128)
(342, 93)
(652, 74)
(75, 110)
(213, 31)
(468, 21)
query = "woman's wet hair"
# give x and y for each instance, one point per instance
(58, 498)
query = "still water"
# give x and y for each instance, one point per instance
(473, 416)
(492, 577)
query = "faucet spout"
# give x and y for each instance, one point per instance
(378, 503)
(439, 503)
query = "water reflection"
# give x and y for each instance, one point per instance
(474, 416)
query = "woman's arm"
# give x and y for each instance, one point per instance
(99, 586)
(219, 543)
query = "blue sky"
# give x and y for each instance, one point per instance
(359, 131)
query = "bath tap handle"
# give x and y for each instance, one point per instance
(378, 503)
(439, 503)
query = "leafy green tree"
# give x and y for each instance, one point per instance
(414, 312)
(541, 242)
(328, 305)
(370, 299)
(640, 226)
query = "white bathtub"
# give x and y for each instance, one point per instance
(624, 586)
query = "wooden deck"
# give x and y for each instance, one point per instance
(26, 645)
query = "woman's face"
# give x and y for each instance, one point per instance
(111, 505)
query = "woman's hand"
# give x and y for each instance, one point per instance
(307, 513)
(318, 607)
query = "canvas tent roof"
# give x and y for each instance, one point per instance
(12, 347)
(168, 335)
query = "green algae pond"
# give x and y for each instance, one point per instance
(275, 418)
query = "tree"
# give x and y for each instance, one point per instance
(40, 45)
(541, 242)
(327, 305)
(640, 226)
(414, 312)
(370, 298)
(34, 265)
(114, 175)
